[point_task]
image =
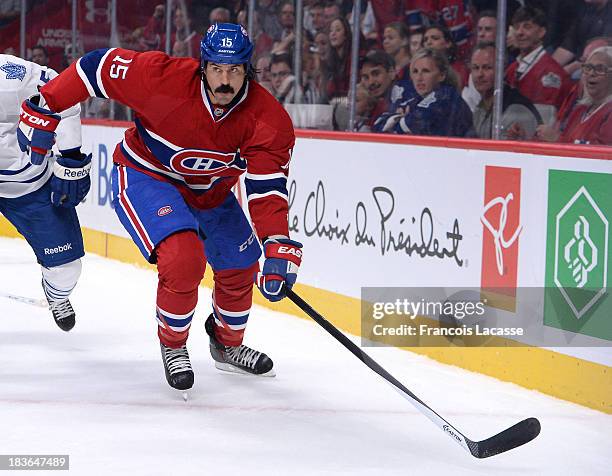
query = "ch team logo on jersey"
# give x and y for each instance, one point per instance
(206, 162)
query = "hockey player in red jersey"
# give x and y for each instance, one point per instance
(198, 127)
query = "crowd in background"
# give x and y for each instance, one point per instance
(426, 67)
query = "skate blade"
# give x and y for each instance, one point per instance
(233, 369)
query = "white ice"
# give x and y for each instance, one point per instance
(98, 393)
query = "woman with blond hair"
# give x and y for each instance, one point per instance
(430, 104)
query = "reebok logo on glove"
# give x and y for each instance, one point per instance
(72, 174)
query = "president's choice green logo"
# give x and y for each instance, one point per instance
(578, 254)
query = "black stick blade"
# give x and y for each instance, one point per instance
(517, 435)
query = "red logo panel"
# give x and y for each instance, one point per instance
(501, 229)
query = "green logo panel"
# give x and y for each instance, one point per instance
(578, 253)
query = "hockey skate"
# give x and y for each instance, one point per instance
(177, 367)
(63, 314)
(239, 359)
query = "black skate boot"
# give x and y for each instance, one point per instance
(177, 367)
(63, 314)
(239, 359)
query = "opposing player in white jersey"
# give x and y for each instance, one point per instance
(39, 190)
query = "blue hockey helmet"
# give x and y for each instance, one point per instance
(226, 43)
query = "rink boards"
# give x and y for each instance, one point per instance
(391, 211)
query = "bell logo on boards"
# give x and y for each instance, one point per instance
(501, 230)
(578, 253)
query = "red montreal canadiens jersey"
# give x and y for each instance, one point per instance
(594, 128)
(180, 137)
(544, 82)
(456, 15)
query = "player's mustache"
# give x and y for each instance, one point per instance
(224, 88)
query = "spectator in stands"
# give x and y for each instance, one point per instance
(594, 19)
(40, 55)
(313, 74)
(590, 121)
(519, 117)
(389, 11)
(320, 51)
(396, 43)
(71, 56)
(286, 16)
(486, 27)
(430, 105)
(339, 60)
(437, 37)
(219, 15)
(365, 104)
(377, 75)
(267, 10)
(456, 17)
(486, 31)
(416, 41)
(321, 43)
(316, 17)
(331, 11)
(154, 29)
(283, 80)
(262, 41)
(184, 32)
(262, 75)
(551, 132)
(535, 73)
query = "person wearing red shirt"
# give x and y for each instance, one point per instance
(183, 33)
(439, 38)
(535, 73)
(591, 120)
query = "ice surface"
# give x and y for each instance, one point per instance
(98, 393)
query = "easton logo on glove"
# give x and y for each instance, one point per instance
(38, 117)
(283, 259)
(291, 251)
(33, 120)
(36, 130)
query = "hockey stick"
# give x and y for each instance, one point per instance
(25, 300)
(517, 435)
